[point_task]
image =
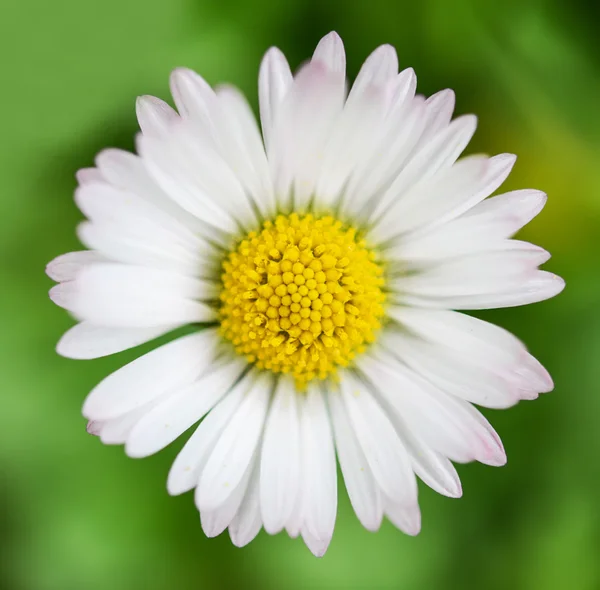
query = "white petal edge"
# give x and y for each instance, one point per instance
(88, 341)
(247, 522)
(280, 457)
(363, 491)
(319, 473)
(189, 463)
(66, 267)
(164, 369)
(122, 295)
(379, 441)
(154, 115)
(541, 285)
(330, 51)
(274, 81)
(182, 408)
(232, 453)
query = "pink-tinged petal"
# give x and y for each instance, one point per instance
(154, 115)
(408, 520)
(274, 81)
(330, 52)
(66, 267)
(87, 175)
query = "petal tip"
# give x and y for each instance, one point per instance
(272, 55)
(135, 451)
(62, 348)
(57, 294)
(504, 160)
(497, 459)
(560, 283)
(50, 270)
(330, 51)
(94, 427)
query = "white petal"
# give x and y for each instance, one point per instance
(116, 430)
(231, 456)
(354, 135)
(89, 175)
(379, 68)
(522, 205)
(217, 136)
(488, 272)
(215, 522)
(457, 238)
(408, 520)
(247, 522)
(440, 153)
(391, 153)
(444, 423)
(497, 170)
(274, 82)
(301, 131)
(94, 427)
(193, 97)
(134, 296)
(245, 151)
(319, 472)
(492, 387)
(427, 200)
(181, 409)
(128, 171)
(141, 231)
(359, 127)
(483, 228)
(294, 523)
(187, 467)
(364, 493)
(154, 115)
(479, 343)
(533, 376)
(380, 443)
(403, 91)
(188, 168)
(540, 285)
(460, 330)
(67, 266)
(445, 196)
(317, 546)
(169, 367)
(330, 52)
(280, 458)
(134, 245)
(88, 341)
(438, 112)
(432, 467)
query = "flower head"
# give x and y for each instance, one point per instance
(321, 266)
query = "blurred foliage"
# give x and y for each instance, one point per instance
(77, 515)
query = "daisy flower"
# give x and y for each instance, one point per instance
(320, 265)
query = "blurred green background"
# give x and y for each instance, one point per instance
(77, 515)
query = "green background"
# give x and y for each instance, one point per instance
(81, 516)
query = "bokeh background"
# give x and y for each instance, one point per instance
(80, 516)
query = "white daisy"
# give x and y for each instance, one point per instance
(319, 264)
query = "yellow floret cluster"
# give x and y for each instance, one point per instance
(302, 296)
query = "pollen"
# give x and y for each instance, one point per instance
(303, 295)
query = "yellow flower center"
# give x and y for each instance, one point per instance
(302, 296)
